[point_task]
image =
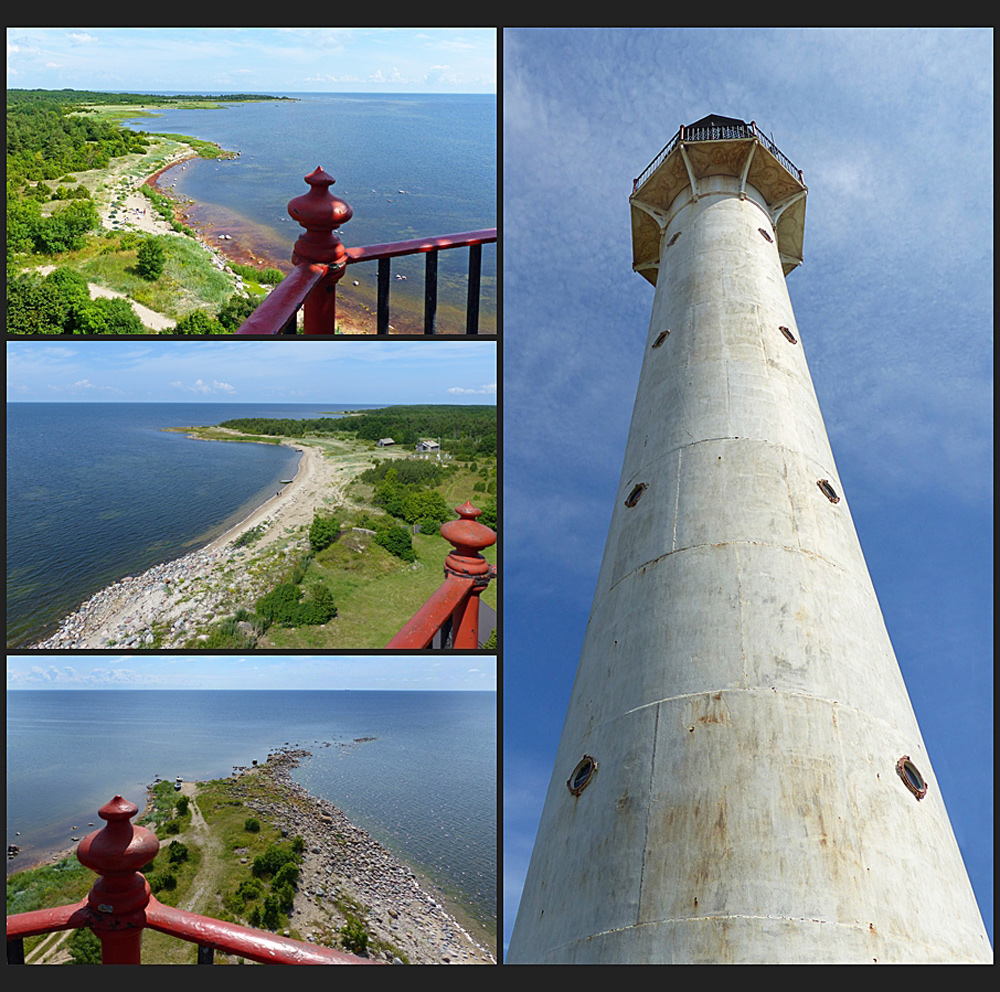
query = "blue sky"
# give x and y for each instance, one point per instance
(254, 60)
(200, 671)
(301, 371)
(894, 304)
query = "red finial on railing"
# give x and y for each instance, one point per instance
(120, 895)
(466, 574)
(320, 213)
(469, 537)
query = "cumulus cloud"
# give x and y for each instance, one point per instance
(488, 389)
(200, 386)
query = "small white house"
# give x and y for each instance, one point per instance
(428, 446)
(384, 442)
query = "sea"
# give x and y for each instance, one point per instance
(424, 785)
(409, 165)
(99, 491)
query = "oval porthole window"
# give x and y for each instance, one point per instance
(633, 497)
(788, 334)
(828, 491)
(767, 236)
(661, 337)
(673, 240)
(582, 775)
(912, 778)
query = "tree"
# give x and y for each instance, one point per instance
(84, 947)
(396, 540)
(150, 259)
(235, 311)
(34, 306)
(323, 532)
(197, 323)
(105, 316)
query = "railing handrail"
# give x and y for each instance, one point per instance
(282, 303)
(229, 938)
(740, 131)
(320, 252)
(415, 246)
(419, 630)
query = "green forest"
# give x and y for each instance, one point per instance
(463, 430)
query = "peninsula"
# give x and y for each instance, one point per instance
(349, 892)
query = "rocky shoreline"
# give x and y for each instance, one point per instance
(179, 597)
(341, 858)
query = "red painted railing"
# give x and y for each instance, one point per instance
(320, 260)
(454, 608)
(120, 906)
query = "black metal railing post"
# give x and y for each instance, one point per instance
(475, 271)
(383, 297)
(430, 292)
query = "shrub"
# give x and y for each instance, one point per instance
(84, 947)
(235, 311)
(323, 532)
(182, 805)
(354, 936)
(252, 825)
(198, 323)
(250, 889)
(397, 541)
(282, 605)
(150, 259)
(178, 852)
(162, 880)
(288, 874)
(270, 918)
(272, 860)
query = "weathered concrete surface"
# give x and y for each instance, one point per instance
(737, 687)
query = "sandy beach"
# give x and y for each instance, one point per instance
(187, 593)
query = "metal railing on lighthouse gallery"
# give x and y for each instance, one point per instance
(321, 259)
(450, 618)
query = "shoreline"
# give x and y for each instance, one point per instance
(405, 908)
(396, 893)
(190, 591)
(353, 317)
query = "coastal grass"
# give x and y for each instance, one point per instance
(189, 280)
(375, 592)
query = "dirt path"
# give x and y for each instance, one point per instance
(210, 868)
(150, 318)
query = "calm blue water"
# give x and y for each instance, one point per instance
(410, 165)
(425, 787)
(98, 491)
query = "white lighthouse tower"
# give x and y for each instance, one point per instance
(741, 777)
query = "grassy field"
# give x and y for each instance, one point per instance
(375, 592)
(189, 281)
